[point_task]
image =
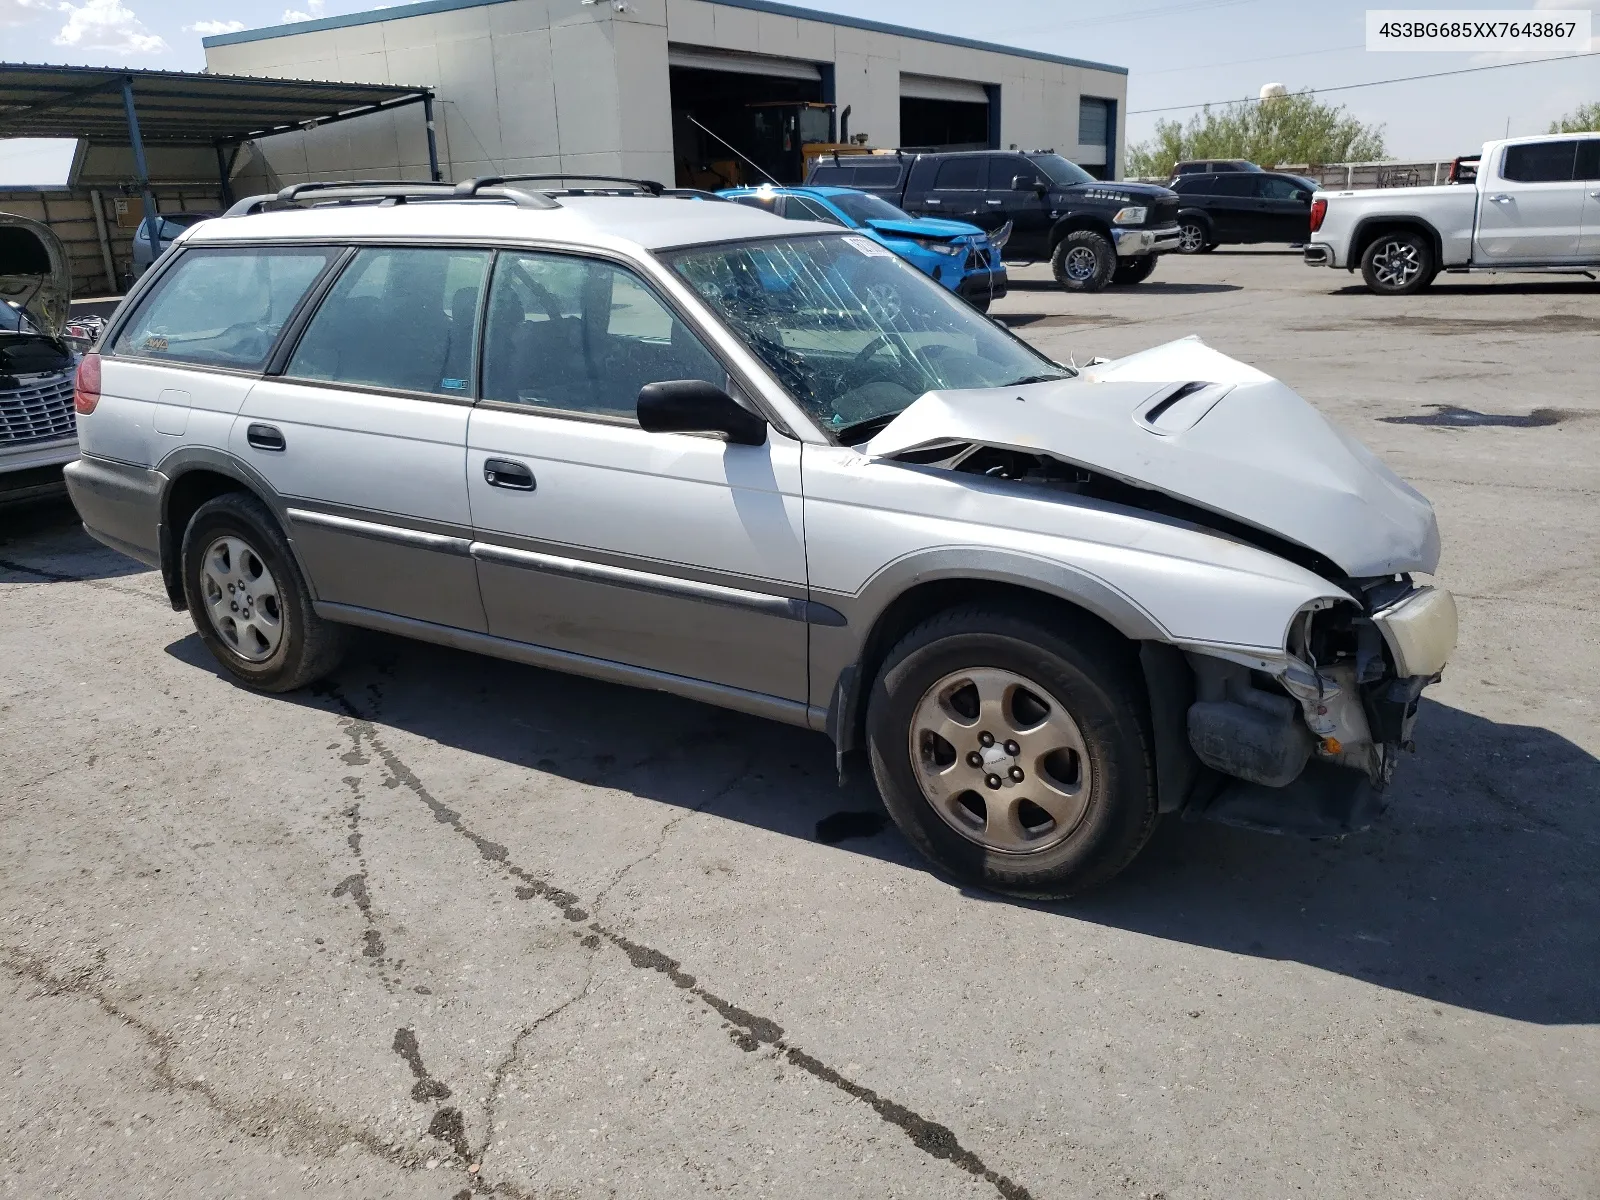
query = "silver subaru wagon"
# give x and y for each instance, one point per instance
(668, 441)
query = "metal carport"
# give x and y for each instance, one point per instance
(121, 107)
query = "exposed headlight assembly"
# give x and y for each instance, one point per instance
(1132, 215)
(938, 247)
(1420, 629)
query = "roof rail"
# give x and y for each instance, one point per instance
(379, 190)
(470, 187)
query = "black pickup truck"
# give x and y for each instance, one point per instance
(1092, 232)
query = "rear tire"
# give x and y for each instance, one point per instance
(1083, 261)
(248, 600)
(1068, 799)
(1398, 264)
(1193, 237)
(1130, 271)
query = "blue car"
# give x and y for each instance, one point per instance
(962, 257)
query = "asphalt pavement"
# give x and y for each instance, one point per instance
(447, 927)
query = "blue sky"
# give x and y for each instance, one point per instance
(1178, 52)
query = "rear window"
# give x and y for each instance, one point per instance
(222, 307)
(1540, 162)
(834, 176)
(876, 176)
(398, 318)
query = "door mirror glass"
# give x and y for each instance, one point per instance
(695, 406)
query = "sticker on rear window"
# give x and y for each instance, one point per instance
(869, 247)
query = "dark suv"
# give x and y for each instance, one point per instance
(1242, 206)
(1092, 232)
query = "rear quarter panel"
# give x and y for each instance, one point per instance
(1450, 210)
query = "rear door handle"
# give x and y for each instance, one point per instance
(264, 437)
(1501, 199)
(504, 473)
(1594, 195)
(993, 201)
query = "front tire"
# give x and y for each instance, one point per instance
(248, 600)
(1083, 261)
(1058, 796)
(1130, 271)
(1398, 264)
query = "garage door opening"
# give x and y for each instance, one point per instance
(759, 113)
(944, 114)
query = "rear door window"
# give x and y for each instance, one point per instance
(1235, 185)
(1540, 162)
(222, 307)
(399, 318)
(963, 174)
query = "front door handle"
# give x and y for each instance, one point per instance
(264, 437)
(504, 473)
(1594, 195)
(992, 202)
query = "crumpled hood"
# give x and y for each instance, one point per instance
(926, 227)
(1240, 444)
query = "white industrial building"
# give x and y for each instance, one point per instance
(684, 90)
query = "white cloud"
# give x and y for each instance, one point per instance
(316, 8)
(20, 12)
(206, 28)
(106, 25)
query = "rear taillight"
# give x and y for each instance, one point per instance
(1319, 209)
(86, 392)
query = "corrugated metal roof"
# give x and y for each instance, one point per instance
(424, 7)
(175, 108)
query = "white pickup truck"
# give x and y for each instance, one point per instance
(1524, 204)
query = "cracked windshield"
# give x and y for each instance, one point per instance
(853, 333)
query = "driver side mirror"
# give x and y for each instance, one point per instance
(1025, 183)
(695, 406)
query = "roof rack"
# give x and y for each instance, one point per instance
(471, 187)
(367, 191)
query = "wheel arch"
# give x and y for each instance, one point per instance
(1073, 222)
(195, 475)
(1199, 215)
(907, 593)
(1370, 229)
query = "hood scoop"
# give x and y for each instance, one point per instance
(1202, 428)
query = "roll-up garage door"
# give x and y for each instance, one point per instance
(943, 114)
(931, 87)
(696, 58)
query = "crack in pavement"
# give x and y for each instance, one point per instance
(503, 1067)
(50, 576)
(748, 1031)
(302, 1130)
(667, 829)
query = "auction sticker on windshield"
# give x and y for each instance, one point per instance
(1455, 29)
(869, 247)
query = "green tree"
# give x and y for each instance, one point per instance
(1584, 120)
(1280, 129)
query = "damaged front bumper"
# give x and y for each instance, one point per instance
(1310, 748)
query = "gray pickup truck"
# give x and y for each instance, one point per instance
(1524, 204)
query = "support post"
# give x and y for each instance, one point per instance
(106, 259)
(141, 170)
(433, 144)
(223, 164)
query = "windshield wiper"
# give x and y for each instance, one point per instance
(1027, 379)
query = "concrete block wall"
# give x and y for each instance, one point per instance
(553, 85)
